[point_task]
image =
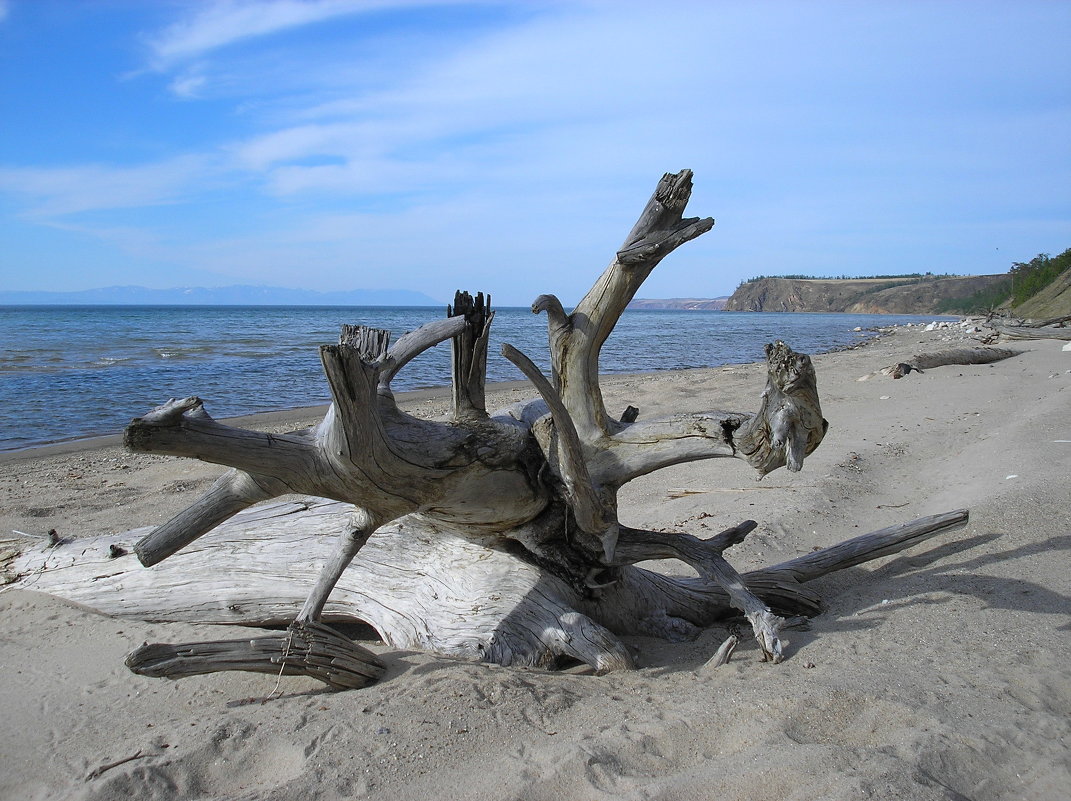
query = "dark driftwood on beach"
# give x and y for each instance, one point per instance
(942, 358)
(925, 361)
(305, 649)
(1031, 332)
(1060, 321)
(488, 536)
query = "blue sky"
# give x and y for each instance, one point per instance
(507, 147)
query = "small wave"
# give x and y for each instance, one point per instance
(253, 354)
(108, 361)
(180, 353)
(185, 351)
(33, 365)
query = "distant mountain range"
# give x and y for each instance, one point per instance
(685, 304)
(220, 296)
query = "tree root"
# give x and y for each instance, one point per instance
(306, 649)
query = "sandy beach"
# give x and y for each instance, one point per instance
(939, 673)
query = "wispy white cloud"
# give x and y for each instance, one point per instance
(60, 191)
(502, 105)
(5, 9)
(188, 84)
(294, 143)
(218, 23)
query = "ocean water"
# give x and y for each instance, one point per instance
(68, 372)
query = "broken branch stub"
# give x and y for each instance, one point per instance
(469, 354)
(789, 424)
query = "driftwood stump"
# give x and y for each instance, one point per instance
(493, 536)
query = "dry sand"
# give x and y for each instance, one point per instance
(941, 673)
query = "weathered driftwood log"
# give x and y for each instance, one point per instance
(926, 361)
(491, 536)
(1060, 322)
(1031, 332)
(421, 587)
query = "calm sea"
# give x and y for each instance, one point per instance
(68, 372)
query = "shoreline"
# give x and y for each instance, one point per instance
(297, 415)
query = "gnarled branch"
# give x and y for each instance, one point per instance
(575, 341)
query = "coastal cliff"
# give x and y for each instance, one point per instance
(855, 295)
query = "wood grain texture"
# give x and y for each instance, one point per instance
(422, 586)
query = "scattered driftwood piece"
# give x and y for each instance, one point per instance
(724, 652)
(96, 773)
(305, 649)
(683, 492)
(488, 536)
(926, 361)
(1030, 332)
(1052, 321)
(865, 547)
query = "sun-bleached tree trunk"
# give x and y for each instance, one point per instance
(494, 536)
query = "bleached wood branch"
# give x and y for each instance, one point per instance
(867, 547)
(184, 428)
(643, 447)
(412, 344)
(232, 492)
(637, 545)
(576, 340)
(591, 514)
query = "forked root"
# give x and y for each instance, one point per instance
(705, 556)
